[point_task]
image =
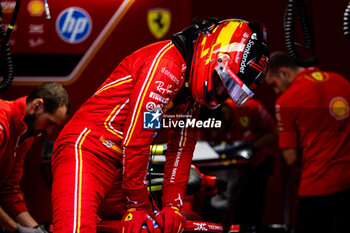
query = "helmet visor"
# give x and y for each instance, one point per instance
(236, 89)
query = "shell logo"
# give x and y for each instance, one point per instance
(339, 108)
(36, 7)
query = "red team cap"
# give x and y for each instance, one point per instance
(234, 54)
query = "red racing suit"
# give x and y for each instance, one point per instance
(101, 156)
(12, 153)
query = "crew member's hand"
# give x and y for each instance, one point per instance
(22, 229)
(170, 220)
(41, 228)
(134, 219)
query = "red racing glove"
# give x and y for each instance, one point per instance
(170, 220)
(136, 219)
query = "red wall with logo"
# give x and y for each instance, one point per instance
(119, 28)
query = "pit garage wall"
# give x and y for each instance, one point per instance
(129, 31)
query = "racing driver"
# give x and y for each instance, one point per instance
(100, 158)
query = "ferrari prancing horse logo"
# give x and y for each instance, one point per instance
(158, 21)
(244, 120)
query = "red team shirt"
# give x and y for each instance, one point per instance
(12, 155)
(248, 123)
(313, 116)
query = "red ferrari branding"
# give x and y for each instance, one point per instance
(317, 77)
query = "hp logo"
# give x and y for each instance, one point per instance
(73, 25)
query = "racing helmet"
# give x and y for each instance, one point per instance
(232, 55)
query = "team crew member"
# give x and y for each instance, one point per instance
(252, 123)
(313, 119)
(251, 128)
(100, 159)
(20, 121)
